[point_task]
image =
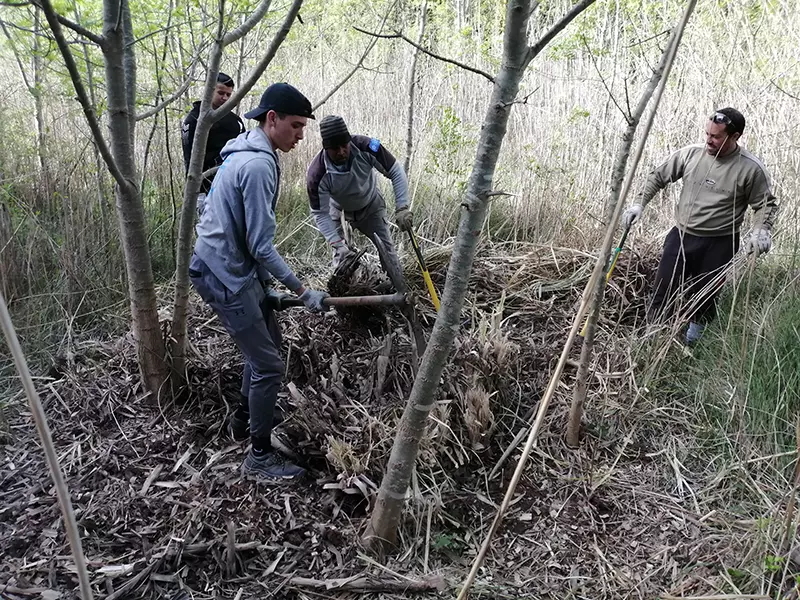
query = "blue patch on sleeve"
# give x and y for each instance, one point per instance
(374, 144)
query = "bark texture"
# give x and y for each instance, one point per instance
(611, 217)
(120, 68)
(382, 529)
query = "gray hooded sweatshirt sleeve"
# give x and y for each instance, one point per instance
(236, 233)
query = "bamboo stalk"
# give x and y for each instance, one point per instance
(70, 524)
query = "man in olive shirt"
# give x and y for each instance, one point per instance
(720, 180)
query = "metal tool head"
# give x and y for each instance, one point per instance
(349, 265)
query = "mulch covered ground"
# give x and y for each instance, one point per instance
(164, 512)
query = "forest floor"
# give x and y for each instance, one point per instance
(164, 512)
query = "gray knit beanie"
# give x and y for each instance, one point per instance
(334, 132)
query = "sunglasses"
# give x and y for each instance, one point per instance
(721, 118)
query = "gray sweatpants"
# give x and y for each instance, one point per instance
(371, 221)
(255, 331)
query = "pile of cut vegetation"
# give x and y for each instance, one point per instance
(164, 511)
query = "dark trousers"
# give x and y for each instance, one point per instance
(256, 332)
(688, 263)
(371, 221)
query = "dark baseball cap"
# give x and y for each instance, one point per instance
(282, 98)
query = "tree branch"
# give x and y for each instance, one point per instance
(11, 43)
(647, 39)
(156, 32)
(536, 48)
(369, 48)
(783, 90)
(79, 29)
(25, 29)
(626, 115)
(177, 94)
(398, 35)
(162, 105)
(248, 24)
(259, 69)
(83, 98)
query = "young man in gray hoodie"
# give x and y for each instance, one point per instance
(235, 259)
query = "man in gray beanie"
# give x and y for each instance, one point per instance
(341, 179)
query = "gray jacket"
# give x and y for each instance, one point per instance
(236, 232)
(352, 187)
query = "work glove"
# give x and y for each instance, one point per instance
(631, 215)
(404, 219)
(313, 300)
(760, 241)
(275, 300)
(342, 252)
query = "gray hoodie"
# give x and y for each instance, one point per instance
(237, 228)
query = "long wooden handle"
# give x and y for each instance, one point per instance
(381, 300)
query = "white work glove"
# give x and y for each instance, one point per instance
(313, 300)
(342, 252)
(631, 215)
(760, 241)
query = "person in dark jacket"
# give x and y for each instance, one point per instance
(235, 259)
(224, 130)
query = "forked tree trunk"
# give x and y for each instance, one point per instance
(617, 178)
(205, 120)
(382, 529)
(120, 77)
(120, 67)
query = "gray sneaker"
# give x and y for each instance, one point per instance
(273, 467)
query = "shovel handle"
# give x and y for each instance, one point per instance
(425, 273)
(381, 300)
(613, 263)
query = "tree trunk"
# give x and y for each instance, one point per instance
(183, 251)
(38, 89)
(98, 161)
(120, 68)
(412, 88)
(617, 178)
(120, 73)
(581, 379)
(205, 120)
(382, 529)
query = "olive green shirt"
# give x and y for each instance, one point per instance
(716, 190)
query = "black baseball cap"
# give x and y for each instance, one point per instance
(225, 79)
(282, 98)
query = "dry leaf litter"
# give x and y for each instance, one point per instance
(164, 512)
